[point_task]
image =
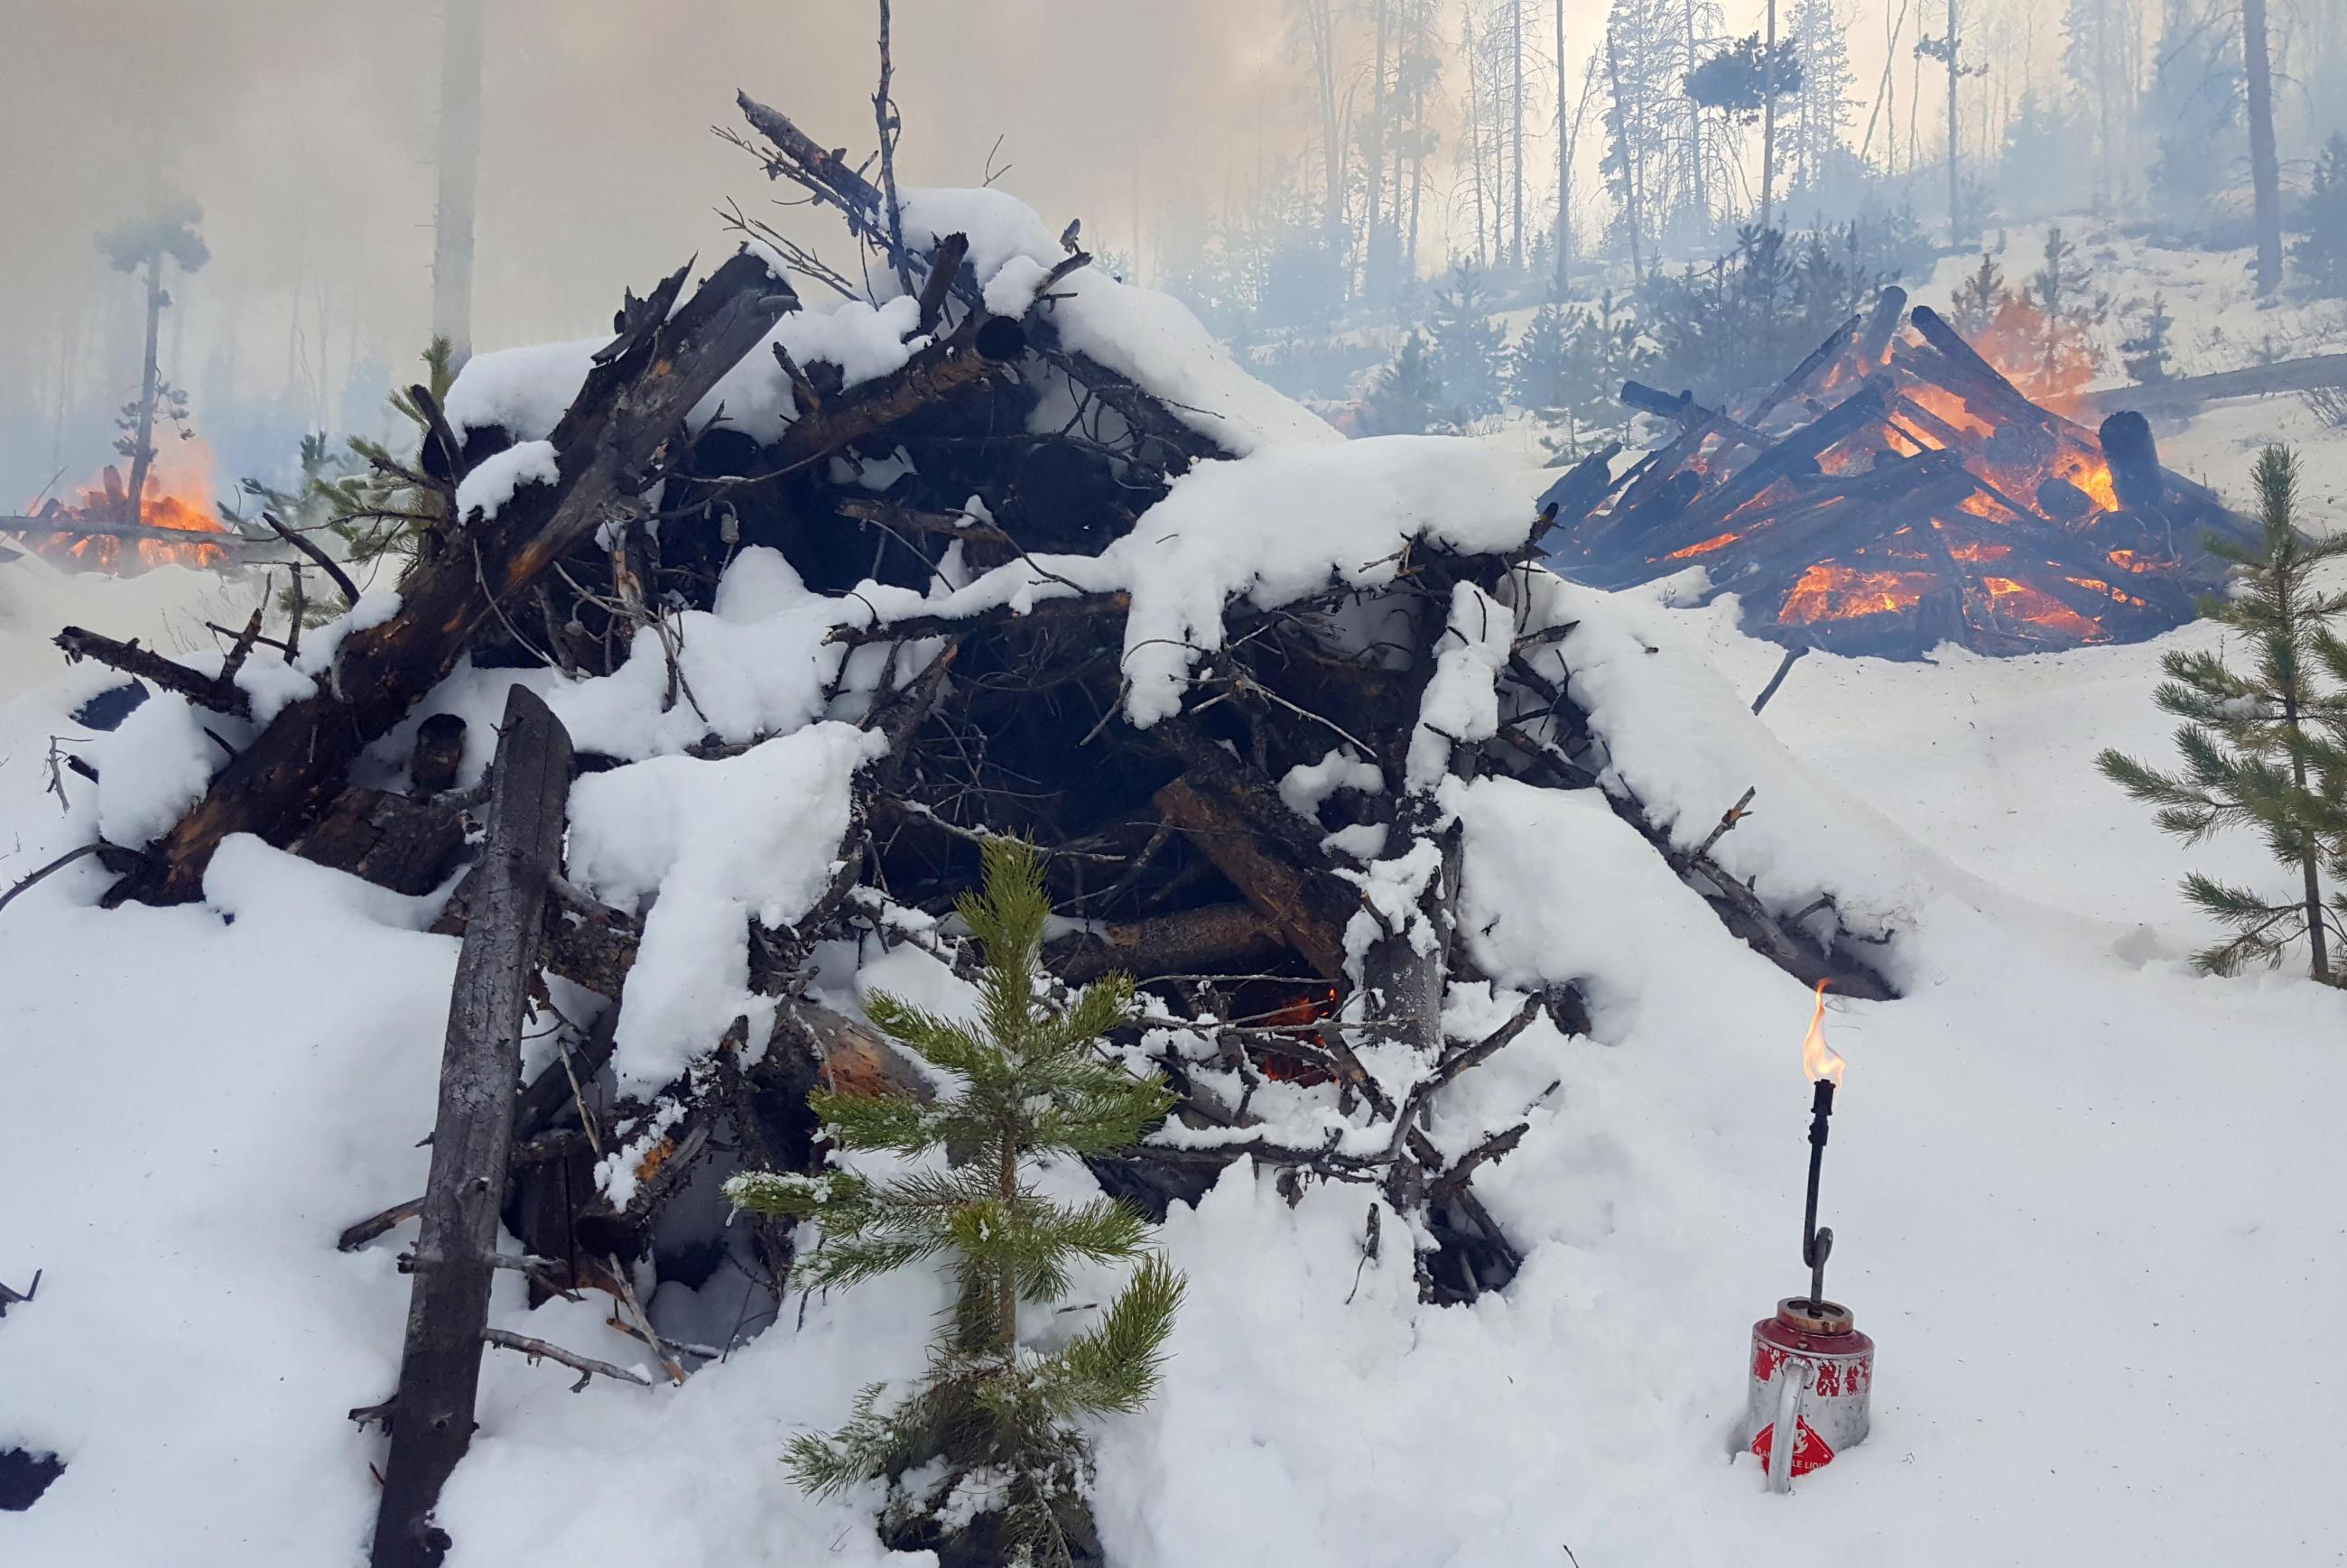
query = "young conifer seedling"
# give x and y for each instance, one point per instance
(992, 1426)
(2262, 746)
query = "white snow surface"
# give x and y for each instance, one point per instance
(712, 845)
(2066, 1174)
(493, 482)
(525, 391)
(1138, 333)
(2056, 1111)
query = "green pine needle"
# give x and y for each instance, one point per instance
(2262, 747)
(1033, 1083)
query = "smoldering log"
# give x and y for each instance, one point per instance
(391, 840)
(1218, 936)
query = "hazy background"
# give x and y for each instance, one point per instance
(306, 131)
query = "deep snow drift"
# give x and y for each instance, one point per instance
(2064, 1172)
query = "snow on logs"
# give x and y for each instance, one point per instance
(1071, 576)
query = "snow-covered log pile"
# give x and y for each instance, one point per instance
(823, 595)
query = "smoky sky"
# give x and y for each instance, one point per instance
(306, 131)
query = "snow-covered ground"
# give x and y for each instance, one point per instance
(2087, 1202)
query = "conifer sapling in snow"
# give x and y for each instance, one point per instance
(993, 1424)
(2262, 747)
(1407, 397)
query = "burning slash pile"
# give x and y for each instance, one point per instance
(821, 598)
(102, 532)
(1896, 491)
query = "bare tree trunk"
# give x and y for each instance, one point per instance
(1474, 128)
(1563, 167)
(460, 167)
(142, 449)
(1694, 126)
(1955, 191)
(1516, 138)
(2103, 56)
(1768, 117)
(2317, 938)
(1372, 256)
(1417, 156)
(1631, 156)
(2265, 172)
(1322, 26)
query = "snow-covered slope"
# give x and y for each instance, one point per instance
(2061, 1168)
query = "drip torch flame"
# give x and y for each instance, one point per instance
(1819, 1059)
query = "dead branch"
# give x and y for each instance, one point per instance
(587, 1366)
(217, 692)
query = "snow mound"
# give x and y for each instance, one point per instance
(1150, 338)
(710, 846)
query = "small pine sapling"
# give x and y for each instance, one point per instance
(2262, 747)
(993, 1421)
(1470, 348)
(1979, 297)
(2069, 313)
(2145, 354)
(1407, 397)
(386, 504)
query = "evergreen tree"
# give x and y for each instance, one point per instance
(2144, 354)
(1537, 361)
(1569, 369)
(2322, 253)
(2262, 747)
(382, 504)
(1407, 397)
(1468, 345)
(1979, 297)
(998, 1417)
(2070, 312)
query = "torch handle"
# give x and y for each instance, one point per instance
(1817, 1244)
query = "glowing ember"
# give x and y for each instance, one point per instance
(1830, 592)
(1818, 1059)
(1719, 541)
(2018, 601)
(1974, 554)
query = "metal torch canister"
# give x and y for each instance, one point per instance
(1812, 1374)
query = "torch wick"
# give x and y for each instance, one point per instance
(1817, 1244)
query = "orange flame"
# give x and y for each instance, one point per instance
(1819, 1060)
(179, 491)
(1830, 593)
(2050, 362)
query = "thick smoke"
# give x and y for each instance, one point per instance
(305, 133)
